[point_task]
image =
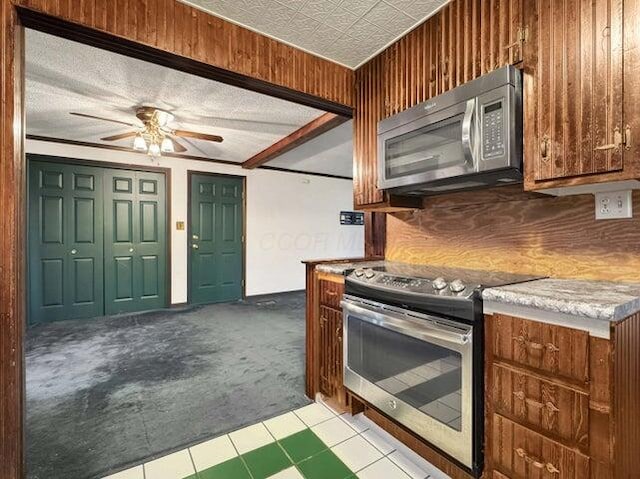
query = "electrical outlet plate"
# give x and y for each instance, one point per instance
(614, 205)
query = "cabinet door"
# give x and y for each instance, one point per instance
(573, 88)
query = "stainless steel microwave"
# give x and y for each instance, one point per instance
(468, 137)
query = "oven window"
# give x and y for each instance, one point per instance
(433, 147)
(424, 375)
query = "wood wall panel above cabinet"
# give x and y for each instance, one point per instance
(180, 29)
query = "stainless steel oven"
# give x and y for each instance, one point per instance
(414, 367)
(468, 137)
(413, 348)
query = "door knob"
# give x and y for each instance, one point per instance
(73, 251)
(195, 237)
(130, 250)
(194, 246)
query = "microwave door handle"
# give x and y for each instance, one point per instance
(466, 131)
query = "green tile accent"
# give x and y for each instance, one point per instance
(266, 461)
(231, 469)
(325, 465)
(302, 445)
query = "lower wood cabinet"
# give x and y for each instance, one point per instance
(557, 411)
(324, 338)
(331, 358)
(520, 453)
(560, 403)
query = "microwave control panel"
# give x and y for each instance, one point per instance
(493, 131)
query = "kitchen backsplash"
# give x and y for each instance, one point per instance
(507, 229)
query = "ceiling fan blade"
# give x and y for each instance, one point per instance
(121, 136)
(177, 146)
(103, 119)
(197, 136)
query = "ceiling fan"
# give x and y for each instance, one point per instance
(155, 137)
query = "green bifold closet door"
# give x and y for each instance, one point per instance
(97, 241)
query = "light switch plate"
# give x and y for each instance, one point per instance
(614, 205)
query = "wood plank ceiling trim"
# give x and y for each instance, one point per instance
(304, 134)
(179, 29)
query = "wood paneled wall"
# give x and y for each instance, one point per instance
(11, 247)
(508, 230)
(183, 30)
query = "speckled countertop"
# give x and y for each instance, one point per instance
(600, 300)
(345, 268)
(594, 300)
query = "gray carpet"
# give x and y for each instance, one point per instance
(107, 393)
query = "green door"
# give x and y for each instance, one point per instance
(216, 237)
(65, 242)
(135, 241)
(97, 240)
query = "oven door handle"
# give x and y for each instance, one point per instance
(420, 328)
(467, 122)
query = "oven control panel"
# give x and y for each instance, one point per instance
(437, 286)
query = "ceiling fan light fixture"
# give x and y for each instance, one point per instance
(167, 145)
(154, 149)
(139, 143)
(163, 117)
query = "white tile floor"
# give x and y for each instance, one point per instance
(363, 446)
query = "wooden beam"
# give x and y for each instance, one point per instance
(308, 132)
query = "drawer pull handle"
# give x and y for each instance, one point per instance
(544, 147)
(535, 462)
(548, 405)
(552, 348)
(331, 293)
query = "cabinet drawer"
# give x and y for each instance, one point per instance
(553, 410)
(330, 293)
(562, 352)
(520, 453)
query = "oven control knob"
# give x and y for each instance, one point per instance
(457, 286)
(359, 273)
(369, 273)
(439, 283)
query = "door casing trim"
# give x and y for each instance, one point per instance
(190, 174)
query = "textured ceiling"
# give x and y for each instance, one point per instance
(330, 153)
(345, 31)
(64, 76)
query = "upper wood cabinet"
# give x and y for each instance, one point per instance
(462, 41)
(574, 116)
(581, 63)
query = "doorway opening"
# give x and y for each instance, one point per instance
(142, 384)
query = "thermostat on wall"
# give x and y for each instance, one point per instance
(351, 218)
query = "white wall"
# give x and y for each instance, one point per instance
(290, 217)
